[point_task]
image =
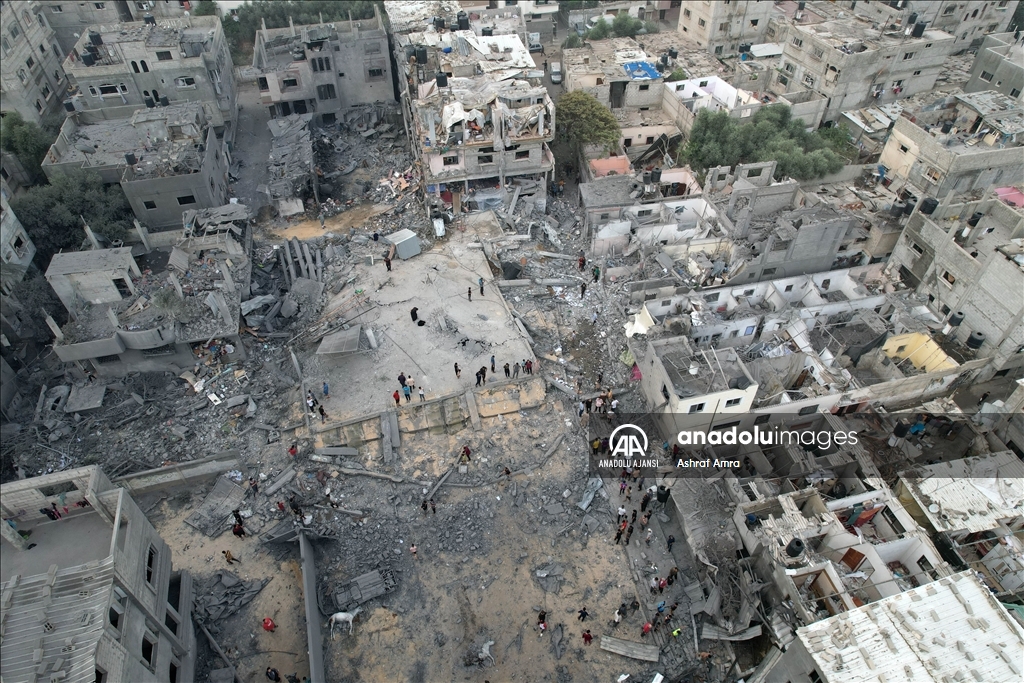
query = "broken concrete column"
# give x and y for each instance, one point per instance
(288, 264)
(177, 285)
(229, 284)
(54, 327)
(297, 248)
(143, 235)
(112, 317)
(309, 262)
(12, 536)
(90, 235)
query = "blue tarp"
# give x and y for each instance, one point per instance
(641, 70)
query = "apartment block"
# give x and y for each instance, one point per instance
(967, 259)
(968, 21)
(16, 248)
(722, 27)
(32, 80)
(323, 69)
(71, 19)
(120, 67)
(167, 159)
(617, 71)
(999, 66)
(95, 597)
(853, 63)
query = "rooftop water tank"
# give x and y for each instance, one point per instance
(929, 205)
(796, 546)
(442, 79)
(918, 29)
(956, 319)
(95, 38)
(976, 340)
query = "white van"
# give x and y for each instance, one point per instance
(556, 72)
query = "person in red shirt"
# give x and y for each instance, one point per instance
(269, 625)
(587, 637)
(647, 629)
(398, 399)
(294, 450)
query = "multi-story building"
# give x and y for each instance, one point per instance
(966, 258)
(71, 19)
(721, 27)
(324, 68)
(853, 63)
(166, 159)
(118, 68)
(969, 21)
(124, 320)
(617, 71)
(32, 80)
(16, 248)
(95, 597)
(998, 65)
(974, 145)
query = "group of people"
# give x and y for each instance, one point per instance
(406, 385)
(315, 406)
(511, 371)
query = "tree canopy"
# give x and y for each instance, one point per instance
(626, 26)
(772, 134)
(582, 120)
(600, 31)
(241, 28)
(26, 140)
(52, 214)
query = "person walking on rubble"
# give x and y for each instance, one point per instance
(597, 273)
(581, 263)
(433, 506)
(387, 263)
(398, 399)
(618, 536)
(323, 415)
(229, 557)
(515, 370)
(414, 313)
(480, 281)
(458, 371)
(408, 393)
(238, 530)
(587, 637)
(423, 506)
(492, 365)
(321, 216)
(583, 614)
(583, 290)
(508, 371)
(269, 625)
(423, 398)
(238, 515)
(469, 293)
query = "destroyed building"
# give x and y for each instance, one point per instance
(92, 596)
(291, 176)
(322, 69)
(975, 145)
(117, 68)
(168, 309)
(998, 65)
(950, 627)
(849, 60)
(72, 19)
(967, 258)
(16, 248)
(32, 79)
(166, 159)
(616, 71)
(975, 509)
(968, 21)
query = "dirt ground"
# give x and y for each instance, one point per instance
(352, 218)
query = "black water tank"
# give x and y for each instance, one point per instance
(976, 340)
(663, 59)
(88, 59)
(92, 49)
(463, 21)
(149, 103)
(660, 67)
(946, 127)
(656, 175)
(421, 54)
(956, 319)
(909, 207)
(745, 47)
(662, 494)
(918, 29)
(800, 6)
(69, 105)
(164, 102)
(149, 19)
(900, 430)
(929, 205)
(442, 79)
(896, 210)
(129, 158)
(975, 219)
(673, 53)
(912, 19)
(439, 23)
(487, 31)
(454, 26)
(647, 177)
(95, 38)
(796, 546)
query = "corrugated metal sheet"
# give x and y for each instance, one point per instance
(921, 635)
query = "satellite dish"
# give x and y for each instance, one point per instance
(933, 508)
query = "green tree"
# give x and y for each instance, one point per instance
(52, 214)
(582, 121)
(26, 140)
(205, 8)
(572, 41)
(677, 75)
(626, 26)
(600, 31)
(772, 134)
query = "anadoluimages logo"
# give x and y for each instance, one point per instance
(627, 444)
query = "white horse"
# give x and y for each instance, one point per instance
(343, 617)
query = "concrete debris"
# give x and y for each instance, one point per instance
(225, 595)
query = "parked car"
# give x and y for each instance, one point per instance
(556, 72)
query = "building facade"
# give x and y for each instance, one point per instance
(32, 80)
(16, 248)
(323, 69)
(999, 66)
(721, 27)
(71, 19)
(98, 599)
(969, 22)
(118, 68)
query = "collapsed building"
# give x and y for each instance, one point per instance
(166, 160)
(291, 177)
(94, 596)
(168, 309)
(295, 74)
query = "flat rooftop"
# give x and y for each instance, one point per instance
(416, 15)
(281, 47)
(694, 372)
(608, 191)
(80, 537)
(854, 34)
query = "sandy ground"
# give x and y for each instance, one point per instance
(340, 224)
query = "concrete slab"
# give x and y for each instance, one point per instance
(85, 398)
(86, 532)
